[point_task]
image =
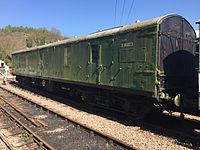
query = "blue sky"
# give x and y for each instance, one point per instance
(79, 17)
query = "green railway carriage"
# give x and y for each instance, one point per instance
(136, 66)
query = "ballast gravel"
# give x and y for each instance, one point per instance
(133, 135)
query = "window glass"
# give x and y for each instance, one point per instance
(95, 53)
(67, 54)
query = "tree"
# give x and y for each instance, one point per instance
(16, 38)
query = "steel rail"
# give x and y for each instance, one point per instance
(8, 145)
(36, 137)
(174, 133)
(106, 136)
(155, 127)
(32, 120)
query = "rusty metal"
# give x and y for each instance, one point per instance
(106, 136)
(36, 137)
(34, 121)
(9, 146)
(157, 128)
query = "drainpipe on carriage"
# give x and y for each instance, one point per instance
(198, 22)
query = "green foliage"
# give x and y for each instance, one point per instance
(16, 38)
(10, 28)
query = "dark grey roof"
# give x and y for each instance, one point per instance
(103, 33)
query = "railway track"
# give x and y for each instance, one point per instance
(166, 123)
(19, 130)
(50, 130)
(170, 127)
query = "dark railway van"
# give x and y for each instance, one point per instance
(132, 69)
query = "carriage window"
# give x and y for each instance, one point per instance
(67, 54)
(95, 53)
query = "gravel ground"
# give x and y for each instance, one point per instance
(2, 145)
(132, 135)
(11, 135)
(187, 116)
(58, 132)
